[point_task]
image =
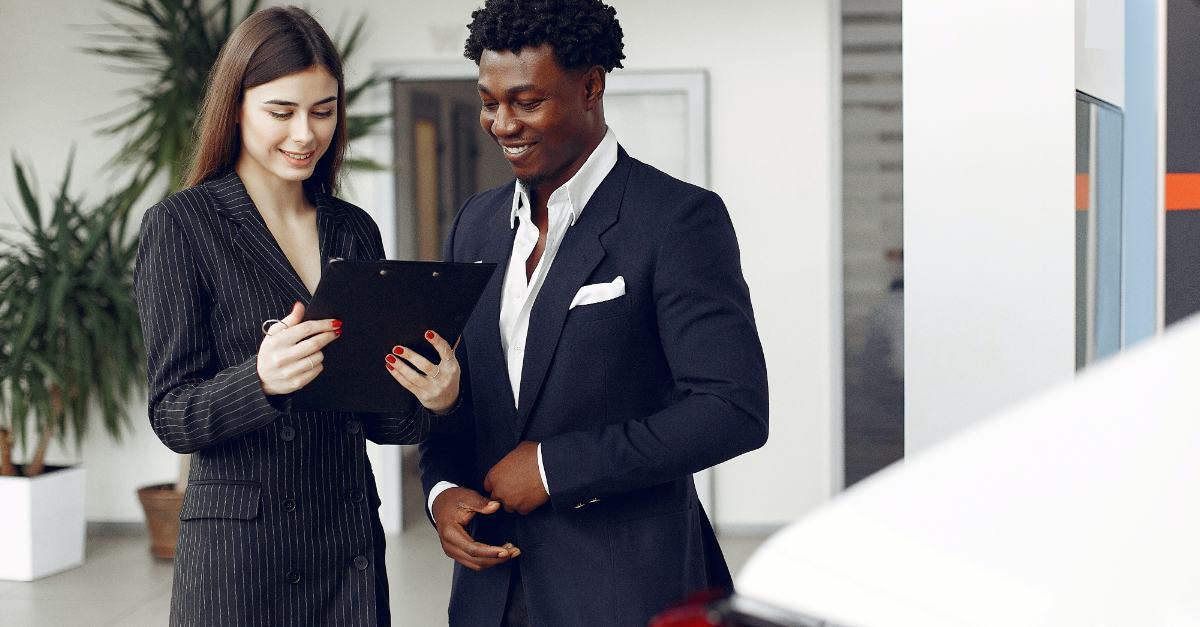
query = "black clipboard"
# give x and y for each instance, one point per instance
(383, 304)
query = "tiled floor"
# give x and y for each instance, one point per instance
(121, 585)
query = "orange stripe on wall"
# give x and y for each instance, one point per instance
(1083, 188)
(1183, 191)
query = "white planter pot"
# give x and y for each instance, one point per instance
(42, 525)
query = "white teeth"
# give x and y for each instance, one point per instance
(296, 156)
(515, 150)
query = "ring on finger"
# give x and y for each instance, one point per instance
(450, 357)
(267, 324)
(311, 365)
(439, 371)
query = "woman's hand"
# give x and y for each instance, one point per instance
(290, 355)
(436, 385)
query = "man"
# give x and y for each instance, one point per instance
(613, 354)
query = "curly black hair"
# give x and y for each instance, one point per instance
(583, 33)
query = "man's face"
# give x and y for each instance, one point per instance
(537, 112)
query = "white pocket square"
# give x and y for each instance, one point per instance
(599, 292)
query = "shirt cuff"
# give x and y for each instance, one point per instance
(541, 471)
(441, 486)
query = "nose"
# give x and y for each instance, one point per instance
(503, 122)
(301, 130)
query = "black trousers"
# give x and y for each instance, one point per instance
(516, 613)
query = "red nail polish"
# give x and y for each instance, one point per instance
(389, 367)
(429, 335)
(337, 332)
(398, 350)
(337, 324)
(390, 359)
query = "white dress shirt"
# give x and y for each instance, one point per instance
(519, 293)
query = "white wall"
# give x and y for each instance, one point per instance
(989, 232)
(772, 136)
(1100, 49)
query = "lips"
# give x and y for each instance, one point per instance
(516, 151)
(300, 159)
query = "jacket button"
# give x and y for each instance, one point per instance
(353, 427)
(288, 434)
(293, 577)
(361, 563)
(356, 495)
(289, 505)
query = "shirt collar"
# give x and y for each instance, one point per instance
(578, 188)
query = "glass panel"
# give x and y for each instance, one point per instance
(1098, 230)
(1109, 223)
(652, 126)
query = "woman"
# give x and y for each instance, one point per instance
(280, 522)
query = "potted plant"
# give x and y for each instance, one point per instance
(175, 43)
(70, 344)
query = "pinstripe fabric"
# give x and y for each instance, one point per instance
(280, 521)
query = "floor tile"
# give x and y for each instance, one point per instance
(141, 576)
(154, 613)
(61, 612)
(121, 585)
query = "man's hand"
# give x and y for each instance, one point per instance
(516, 482)
(452, 510)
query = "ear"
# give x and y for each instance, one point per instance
(593, 87)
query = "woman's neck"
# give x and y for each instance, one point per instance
(272, 195)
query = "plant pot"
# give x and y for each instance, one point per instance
(42, 524)
(162, 504)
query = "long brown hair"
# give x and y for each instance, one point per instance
(270, 44)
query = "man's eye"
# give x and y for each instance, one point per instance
(529, 106)
(490, 106)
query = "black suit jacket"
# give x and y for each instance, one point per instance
(628, 398)
(280, 521)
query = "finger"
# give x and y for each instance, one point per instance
(306, 377)
(491, 508)
(295, 316)
(459, 545)
(457, 342)
(440, 345)
(310, 345)
(404, 375)
(415, 360)
(474, 563)
(303, 330)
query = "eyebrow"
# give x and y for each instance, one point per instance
(285, 103)
(511, 90)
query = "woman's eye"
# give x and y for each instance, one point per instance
(323, 114)
(280, 115)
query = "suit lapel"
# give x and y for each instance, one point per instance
(487, 352)
(336, 241)
(579, 254)
(260, 247)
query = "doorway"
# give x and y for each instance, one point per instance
(443, 156)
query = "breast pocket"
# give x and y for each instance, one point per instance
(599, 311)
(216, 499)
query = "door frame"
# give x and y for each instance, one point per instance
(693, 83)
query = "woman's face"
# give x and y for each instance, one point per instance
(287, 125)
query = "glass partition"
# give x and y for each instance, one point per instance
(1099, 132)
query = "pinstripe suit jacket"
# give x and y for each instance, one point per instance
(280, 521)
